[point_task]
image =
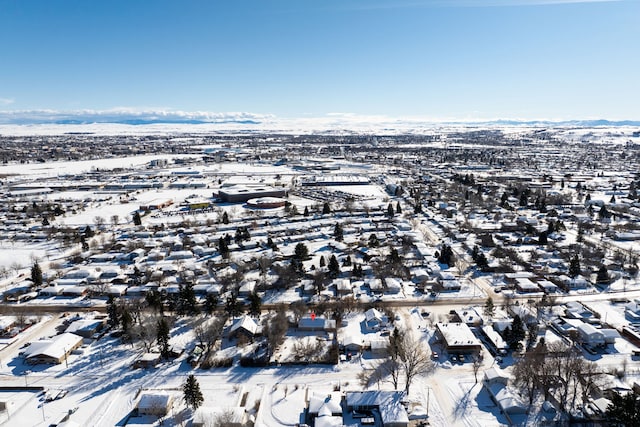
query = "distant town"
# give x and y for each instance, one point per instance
(461, 276)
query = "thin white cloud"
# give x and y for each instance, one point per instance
(125, 115)
(6, 101)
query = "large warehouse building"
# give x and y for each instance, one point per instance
(241, 193)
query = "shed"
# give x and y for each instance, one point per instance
(154, 403)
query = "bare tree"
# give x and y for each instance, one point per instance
(208, 331)
(16, 266)
(368, 377)
(477, 364)
(391, 368)
(98, 221)
(274, 329)
(307, 348)
(299, 309)
(146, 332)
(225, 418)
(415, 360)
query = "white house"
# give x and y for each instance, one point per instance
(590, 336)
(374, 319)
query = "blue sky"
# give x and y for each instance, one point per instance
(431, 59)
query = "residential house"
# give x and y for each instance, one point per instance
(53, 350)
(495, 382)
(392, 285)
(387, 403)
(374, 319)
(458, 338)
(590, 336)
(244, 327)
(316, 323)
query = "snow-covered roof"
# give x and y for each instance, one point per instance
(154, 400)
(246, 323)
(388, 403)
(326, 403)
(55, 347)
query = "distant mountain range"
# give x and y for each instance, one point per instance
(577, 123)
(331, 121)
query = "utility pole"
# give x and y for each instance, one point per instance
(428, 390)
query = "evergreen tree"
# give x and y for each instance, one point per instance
(88, 232)
(603, 275)
(394, 257)
(271, 244)
(334, 267)
(192, 394)
(223, 247)
(373, 241)
(446, 256)
(233, 307)
(542, 238)
(255, 304)
(187, 300)
(154, 300)
(489, 308)
(481, 261)
(574, 266)
(474, 252)
(356, 271)
(306, 211)
(210, 303)
(112, 312)
(126, 320)
(337, 232)
(136, 218)
(225, 217)
(624, 410)
(322, 261)
(45, 221)
(523, 198)
(514, 334)
(301, 252)
(326, 208)
(504, 200)
(390, 211)
(36, 274)
(580, 236)
(398, 208)
(163, 337)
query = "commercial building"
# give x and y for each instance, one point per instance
(241, 193)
